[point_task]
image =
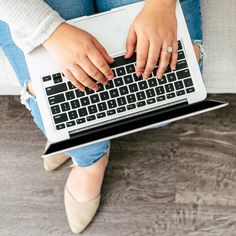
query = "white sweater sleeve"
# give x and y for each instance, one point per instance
(31, 21)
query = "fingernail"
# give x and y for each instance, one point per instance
(173, 68)
(145, 77)
(159, 76)
(138, 73)
(110, 77)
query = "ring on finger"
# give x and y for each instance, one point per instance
(168, 49)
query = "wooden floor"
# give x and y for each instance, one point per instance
(174, 181)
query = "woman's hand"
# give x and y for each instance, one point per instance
(80, 56)
(154, 29)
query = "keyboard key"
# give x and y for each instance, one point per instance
(55, 109)
(102, 106)
(180, 92)
(70, 123)
(140, 95)
(82, 112)
(170, 95)
(57, 78)
(161, 98)
(112, 103)
(131, 106)
(121, 101)
(128, 79)
(70, 95)
(94, 98)
(92, 109)
(90, 118)
(79, 93)
(56, 99)
(171, 77)
(47, 78)
(60, 118)
(183, 74)
(56, 89)
(65, 106)
(169, 88)
(74, 104)
(89, 91)
(190, 90)
(136, 78)
(152, 82)
(114, 93)
(70, 85)
(73, 115)
(179, 85)
(141, 104)
(124, 90)
(118, 82)
(111, 112)
(121, 109)
(160, 90)
(181, 65)
(168, 70)
(104, 96)
(84, 101)
(142, 85)
(181, 55)
(131, 98)
(120, 71)
(154, 72)
(133, 88)
(80, 121)
(150, 93)
(179, 45)
(162, 81)
(101, 88)
(188, 82)
(101, 115)
(130, 68)
(151, 101)
(110, 85)
(61, 126)
(119, 61)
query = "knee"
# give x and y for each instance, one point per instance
(197, 51)
(30, 88)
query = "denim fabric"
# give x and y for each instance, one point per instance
(70, 9)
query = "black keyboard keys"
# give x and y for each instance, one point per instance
(133, 88)
(141, 104)
(171, 77)
(92, 109)
(101, 115)
(60, 126)
(131, 98)
(46, 78)
(128, 79)
(70, 85)
(181, 55)
(152, 82)
(170, 95)
(57, 78)
(162, 81)
(188, 82)
(89, 91)
(124, 90)
(131, 106)
(56, 99)
(190, 90)
(110, 85)
(112, 103)
(141, 95)
(181, 65)
(79, 93)
(118, 82)
(70, 123)
(150, 93)
(142, 85)
(179, 85)
(120, 71)
(65, 106)
(85, 101)
(90, 118)
(114, 93)
(169, 88)
(160, 90)
(73, 115)
(180, 92)
(55, 109)
(82, 112)
(80, 121)
(56, 89)
(179, 45)
(70, 95)
(60, 118)
(75, 104)
(121, 109)
(94, 98)
(104, 96)
(183, 74)
(102, 106)
(130, 68)
(121, 101)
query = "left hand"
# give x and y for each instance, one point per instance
(153, 29)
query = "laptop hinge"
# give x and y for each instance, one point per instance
(162, 109)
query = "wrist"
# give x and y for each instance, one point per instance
(159, 4)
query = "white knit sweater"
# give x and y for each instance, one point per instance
(31, 21)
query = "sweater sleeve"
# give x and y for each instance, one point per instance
(31, 21)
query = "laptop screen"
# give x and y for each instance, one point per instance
(134, 124)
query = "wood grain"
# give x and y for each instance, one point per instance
(176, 180)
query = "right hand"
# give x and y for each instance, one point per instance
(80, 56)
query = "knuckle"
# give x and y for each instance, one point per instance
(95, 74)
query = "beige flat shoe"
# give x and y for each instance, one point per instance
(79, 215)
(53, 162)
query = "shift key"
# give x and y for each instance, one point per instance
(60, 118)
(56, 99)
(56, 89)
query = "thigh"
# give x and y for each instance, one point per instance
(192, 13)
(105, 5)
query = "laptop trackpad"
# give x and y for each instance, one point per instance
(111, 29)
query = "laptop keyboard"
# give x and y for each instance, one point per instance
(124, 94)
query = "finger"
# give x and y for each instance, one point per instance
(142, 54)
(174, 56)
(73, 80)
(153, 55)
(103, 51)
(164, 61)
(92, 71)
(83, 78)
(130, 43)
(98, 60)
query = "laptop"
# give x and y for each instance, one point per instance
(127, 104)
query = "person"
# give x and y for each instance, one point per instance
(30, 23)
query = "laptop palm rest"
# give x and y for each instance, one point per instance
(133, 124)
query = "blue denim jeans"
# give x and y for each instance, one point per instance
(70, 9)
